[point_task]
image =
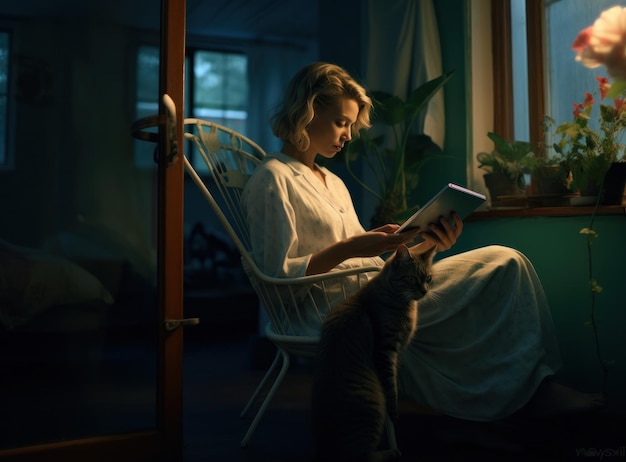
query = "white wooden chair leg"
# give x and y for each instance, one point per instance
(261, 386)
(268, 398)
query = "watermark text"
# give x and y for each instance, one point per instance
(601, 453)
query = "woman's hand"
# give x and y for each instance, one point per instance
(443, 235)
(369, 244)
(380, 240)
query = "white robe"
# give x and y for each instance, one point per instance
(485, 338)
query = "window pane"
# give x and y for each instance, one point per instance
(147, 99)
(78, 258)
(4, 89)
(520, 69)
(568, 79)
(216, 89)
(221, 88)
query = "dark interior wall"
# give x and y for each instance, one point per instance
(40, 81)
(341, 29)
(74, 172)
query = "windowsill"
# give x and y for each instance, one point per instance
(566, 211)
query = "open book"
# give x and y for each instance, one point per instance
(452, 198)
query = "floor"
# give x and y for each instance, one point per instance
(221, 372)
(221, 375)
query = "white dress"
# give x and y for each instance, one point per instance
(485, 338)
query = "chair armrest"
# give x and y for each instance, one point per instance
(312, 278)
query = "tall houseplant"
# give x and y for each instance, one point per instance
(395, 164)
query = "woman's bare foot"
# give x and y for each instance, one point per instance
(552, 399)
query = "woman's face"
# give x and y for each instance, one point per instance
(332, 125)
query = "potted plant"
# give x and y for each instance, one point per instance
(551, 184)
(587, 150)
(506, 166)
(395, 165)
(550, 178)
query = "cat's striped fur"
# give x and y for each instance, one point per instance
(355, 386)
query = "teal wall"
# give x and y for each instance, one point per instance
(553, 244)
(559, 254)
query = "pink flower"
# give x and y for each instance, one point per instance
(605, 86)
(577, 109)
(581, 43)
(604, 43)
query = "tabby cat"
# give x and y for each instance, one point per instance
(355, 386)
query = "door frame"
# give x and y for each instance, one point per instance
(171, 232)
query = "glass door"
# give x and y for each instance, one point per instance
(88, 369)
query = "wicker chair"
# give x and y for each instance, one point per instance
(230, 159)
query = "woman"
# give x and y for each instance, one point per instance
(485, 343)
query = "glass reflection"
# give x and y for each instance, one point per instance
(78, 304)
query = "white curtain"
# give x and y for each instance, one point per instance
(270, 67)
(403, 52)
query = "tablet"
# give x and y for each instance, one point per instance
(452, 198)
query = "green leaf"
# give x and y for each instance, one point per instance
(501, 144)
(389, 109)
(355, 148)
(595, 287)
(418, 148)
(607, 113)
(423, 94)
(487, 159)
(590, 233)
(521, 149)
(617, 88)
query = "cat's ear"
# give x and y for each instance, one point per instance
(402, 252)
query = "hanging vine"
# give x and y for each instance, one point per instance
(595, 290)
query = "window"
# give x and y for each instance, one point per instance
(545, 77)
(219, 88)
(146, 99)
(4, 99)
(216, 89)
(567, 79)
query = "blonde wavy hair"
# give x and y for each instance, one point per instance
(316, 85)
